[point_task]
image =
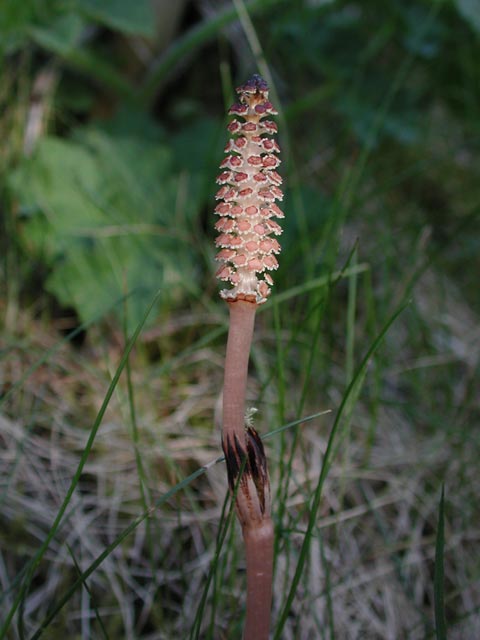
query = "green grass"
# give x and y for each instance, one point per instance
(114, 515)
(439, 575)
(33, 565)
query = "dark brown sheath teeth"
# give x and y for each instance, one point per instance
(253, 501)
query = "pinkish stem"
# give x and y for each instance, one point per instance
(245, 455)
(242, 320)
(259, 553)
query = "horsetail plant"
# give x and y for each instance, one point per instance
(249, 188)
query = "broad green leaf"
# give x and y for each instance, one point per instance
(199, 146)
(362, 115)
(17, 18)
(14, 17)
(135, 18)
(61, 35)
(102, 211)
(470, 10)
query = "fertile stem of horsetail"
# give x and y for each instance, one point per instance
(250, 186)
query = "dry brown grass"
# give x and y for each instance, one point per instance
(369, 571)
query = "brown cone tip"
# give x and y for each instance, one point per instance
(254, 84)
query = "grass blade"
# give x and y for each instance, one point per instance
(438, 576)
(352, 391)
(108, 550)
(87, 589)
(187, 44)
(226, 520)
(93, 432)
(137, 521)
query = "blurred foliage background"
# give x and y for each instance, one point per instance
(112, 119)
(112, 125)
